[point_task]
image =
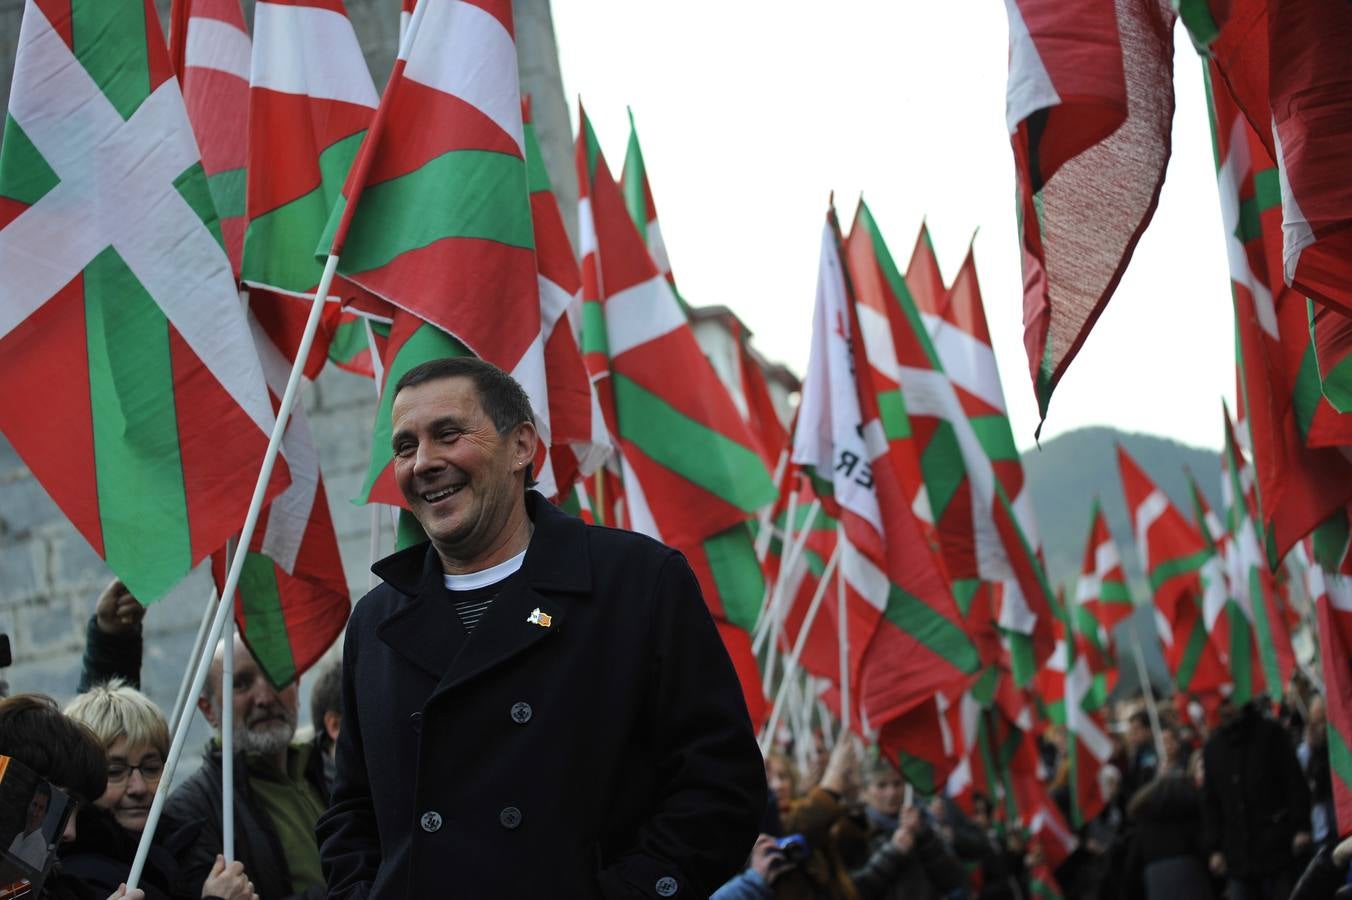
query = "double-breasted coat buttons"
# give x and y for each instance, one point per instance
(521, 712)
(666, 886)
(510, 817)
(431, 821)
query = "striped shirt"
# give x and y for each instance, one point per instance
(473, 593)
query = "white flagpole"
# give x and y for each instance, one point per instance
(182, 701)
(791, 665)
(1149, 690)
(843, 627)
(228, 740)
(224, 608)
(770, 617)
(766, 522)
(378, 377)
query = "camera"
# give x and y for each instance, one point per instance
(795, 848)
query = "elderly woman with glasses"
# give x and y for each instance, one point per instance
(135, 738)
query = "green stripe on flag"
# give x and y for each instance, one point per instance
(888, 267)
(193, 187)
(1114, 592)
(349, 342)
(1340, 755)
(595, 338)
(918, 773)
(1267, 195)
(1241, 657)
(537, 176)
(462, 194)
(227, 192)
(1196, 16)
(1181, 565)
(737, 573)
(995, 437)
(279, 245)
(942, 467)
(408, 532)
(428, 342)
(944, 638)
(137, 462)
(264, 624)
(1192, 656)
(593, 148)
(964, 591)
(1267, 644)
(1307, 392)
(892, 411)
(109, 40)
(24, 174)
(711, 460)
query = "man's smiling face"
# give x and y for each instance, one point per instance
(463, 481)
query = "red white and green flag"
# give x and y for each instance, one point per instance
(959, 430)
(726, 341)
(580, 443)
(1331, 331)
(118, 306)
(1089, 108)
(1252, 584)
(1227, 601)
(906, 636)
(292, 601)
(310, 93)
(435, 216)
(1328, 573)
(1102, 600)
(923, 277)
(1289, 426)
(210, 48)
(692, 476)
(1173, 554)
(638, 197)
(1286, 68)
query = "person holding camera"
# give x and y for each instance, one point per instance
(907, 858)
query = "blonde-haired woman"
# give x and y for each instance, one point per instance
(136, 740)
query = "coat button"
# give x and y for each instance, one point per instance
(521, 713)
(666, 886)
(510, 817)
(415, 722)
(431, 821)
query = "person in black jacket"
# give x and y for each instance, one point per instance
(532, 707)
(1256, 805)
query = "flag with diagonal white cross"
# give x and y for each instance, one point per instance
(118, 309)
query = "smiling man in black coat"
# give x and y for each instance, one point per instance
(533, 707)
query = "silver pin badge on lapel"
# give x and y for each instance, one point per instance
(543, 619)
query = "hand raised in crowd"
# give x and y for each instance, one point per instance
(767, 860)
(228, 882)
(841, 767)
(912, 819)
(117, 611)
(1218, 864)
(903, 838)
(122, 893)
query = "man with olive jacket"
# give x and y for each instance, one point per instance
(533, 707)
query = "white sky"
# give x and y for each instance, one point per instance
(751, 113)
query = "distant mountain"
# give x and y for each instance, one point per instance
(1070, 470)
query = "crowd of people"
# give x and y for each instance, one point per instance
(1238, 809)
(107, 750)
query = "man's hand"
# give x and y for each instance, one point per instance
(840, 769)
(123, 894)
(117, 611)
(767, 860)
(1218, 864)
(1299, 841)
(903, 839)
(229, 882)
(1342, 854)
(912, 820)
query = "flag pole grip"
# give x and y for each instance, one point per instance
(225, 607)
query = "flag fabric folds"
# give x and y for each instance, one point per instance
(210, 48)
(118, 306)
(292, 601)
(1089, 109)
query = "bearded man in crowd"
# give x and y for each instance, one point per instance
(279, 786)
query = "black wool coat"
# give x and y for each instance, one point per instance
(608, 754)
